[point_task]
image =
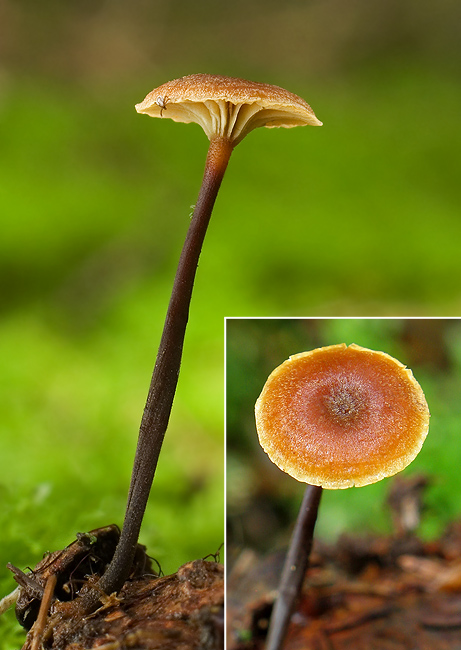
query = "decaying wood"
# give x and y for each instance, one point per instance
(183, 611)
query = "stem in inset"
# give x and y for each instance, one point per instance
(166, 371)
(295, 567)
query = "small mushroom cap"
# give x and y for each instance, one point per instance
(341, 416)
(227, 107)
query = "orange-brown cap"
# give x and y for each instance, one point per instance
(227, 107)
(341, 416)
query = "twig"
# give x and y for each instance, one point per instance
(24, 580)
(39, 625)
(7, 601)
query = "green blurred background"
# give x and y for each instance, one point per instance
(357, 217)
(263, 501)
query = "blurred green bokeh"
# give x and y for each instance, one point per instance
(358, 217)
(263, 501)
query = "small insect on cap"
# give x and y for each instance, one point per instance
(341, 416)
(227, 107)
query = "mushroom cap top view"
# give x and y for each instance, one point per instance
(341, 416)
(227, 107)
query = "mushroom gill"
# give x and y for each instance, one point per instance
(227, 107)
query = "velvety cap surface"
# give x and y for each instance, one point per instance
(227, 106)
(341, 416)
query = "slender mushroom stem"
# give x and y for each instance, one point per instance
(165, 376)
(295, 567)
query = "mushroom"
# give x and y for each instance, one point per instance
(335, 417)
(227, 109)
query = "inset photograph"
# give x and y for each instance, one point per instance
(343, 483)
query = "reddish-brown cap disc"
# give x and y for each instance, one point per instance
(341, 416)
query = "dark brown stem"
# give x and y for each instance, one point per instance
(166, 371)
(295, 567)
